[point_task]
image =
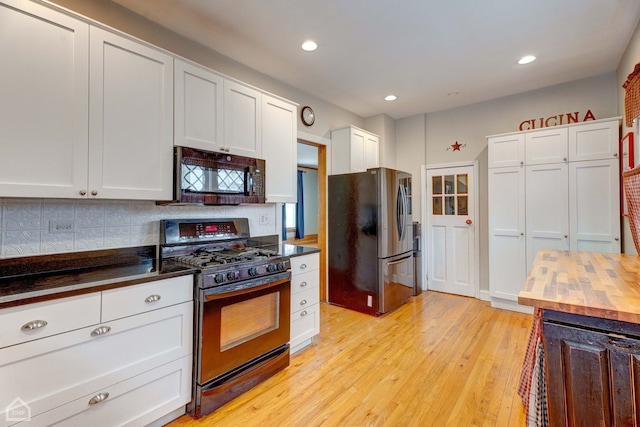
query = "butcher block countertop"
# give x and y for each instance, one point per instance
(593, 284)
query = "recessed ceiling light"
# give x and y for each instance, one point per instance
(526, 59)
(390, 98)
(309, 45)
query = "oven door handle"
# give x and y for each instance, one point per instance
(226, 291)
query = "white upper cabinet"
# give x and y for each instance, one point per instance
(242, 120)
(506, 150)
(131, 119)
(43, 102)
(546, 146)
(279, 149)
(353, 150)
(198, 107)
(594, 140)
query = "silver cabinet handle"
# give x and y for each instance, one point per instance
(152, 298)
(83, 192)
(303, 284)
(303, 266)
(98, 398)
(615, 154)
(303, 302)
(94, 192)
(616, 239)
(303, 313)
(100, 331)
(34, 324)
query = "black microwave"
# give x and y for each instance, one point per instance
(211, 178)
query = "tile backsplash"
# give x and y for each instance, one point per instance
(28, 226)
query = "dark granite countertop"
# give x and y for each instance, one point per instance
(27, 280)
(296, 250)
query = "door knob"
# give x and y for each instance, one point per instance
(468, 222)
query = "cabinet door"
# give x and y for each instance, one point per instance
(506, 150)
(371, 147)
(242, 120)
(279, 149)
(198, 107)
(591, 377)
(547, 208)
(131, 119)
(358, 142)
(593, 141)
(507, 260)
(44, 108)
(546, 146)
(594, 206)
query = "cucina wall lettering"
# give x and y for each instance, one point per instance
(559, 119)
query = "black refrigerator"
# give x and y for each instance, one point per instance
(370, 240)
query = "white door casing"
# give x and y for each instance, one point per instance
(451, 231)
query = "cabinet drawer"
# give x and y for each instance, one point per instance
(48, 318)
(123, 302)
(302, 282)
(304, 299)
(305, 324)
(50, 372)
(136, 401)
(301, 264)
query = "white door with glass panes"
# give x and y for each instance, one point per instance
(451, 230)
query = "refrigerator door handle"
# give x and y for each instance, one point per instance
(400, 261)
(399, 213)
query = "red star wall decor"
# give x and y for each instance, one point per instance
(456, 147)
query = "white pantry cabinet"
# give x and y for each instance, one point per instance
(131, 119)
(353, 150)
(44, 101)
(305, 300)
(198, 107)
(564, 195)
(135, 368)
(280, 148)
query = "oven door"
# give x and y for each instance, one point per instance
(241, 322)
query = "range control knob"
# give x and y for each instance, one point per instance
(271, 268)
(253, 271)
(233, 275)
(281, 266)
(219, 278)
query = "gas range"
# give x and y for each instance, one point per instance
(221, 249)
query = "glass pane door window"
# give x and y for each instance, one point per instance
(450, 194)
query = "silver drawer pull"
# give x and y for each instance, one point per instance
(303, 302)
(98, 398)
(303, 284)
(152, 298)
(34, 324)
(100, 331)
(303, 313)
(303, 266)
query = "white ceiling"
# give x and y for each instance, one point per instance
(419, 50)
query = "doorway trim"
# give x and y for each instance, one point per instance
(424, 217)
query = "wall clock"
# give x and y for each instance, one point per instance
(307, 115)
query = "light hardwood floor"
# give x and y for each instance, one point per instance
(439, 360)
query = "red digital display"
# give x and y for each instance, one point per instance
(210, 227)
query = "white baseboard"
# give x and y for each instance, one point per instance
(510, 305)
(168, 418)
(484, 296)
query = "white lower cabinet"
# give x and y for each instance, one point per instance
(305, 300)
(126, 371)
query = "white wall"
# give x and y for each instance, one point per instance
(471, 124)
(410, 155)
(630, 58)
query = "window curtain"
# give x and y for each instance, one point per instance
(632, 95)
(284, 222)
(300, 208)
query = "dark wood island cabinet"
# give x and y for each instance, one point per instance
(590, 305)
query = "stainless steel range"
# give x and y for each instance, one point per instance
(242, 311)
